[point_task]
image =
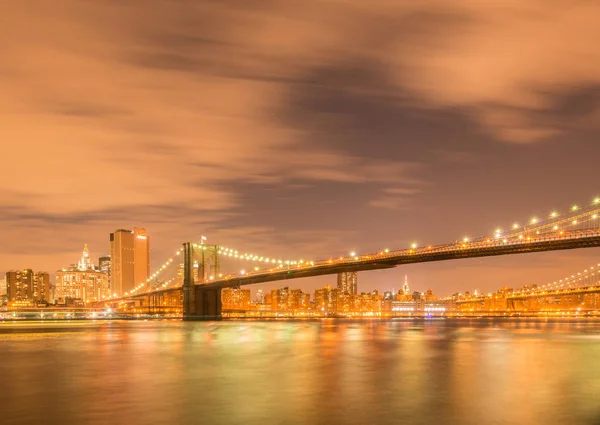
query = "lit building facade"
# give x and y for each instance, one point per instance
(27, 285)
(104, 264)
(236, 298)
(347, 283)
(260, 297)
(130, 259)
(326, 298)
(81, 281)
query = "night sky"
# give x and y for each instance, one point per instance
(298, 129)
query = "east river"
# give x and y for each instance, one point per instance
(301, 372)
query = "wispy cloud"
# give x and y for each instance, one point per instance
(178, 114)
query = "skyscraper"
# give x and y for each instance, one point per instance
(130, 259)
(326, 298)
(105, 266)
(85, 262)
(27, 285)
(41, 286)
(405, 288)
(260, 297)
(347, 283)
(19, 285)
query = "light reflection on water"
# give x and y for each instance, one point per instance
(301, 372)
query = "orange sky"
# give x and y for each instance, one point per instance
(296, 130)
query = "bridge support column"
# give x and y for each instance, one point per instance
(198, 303)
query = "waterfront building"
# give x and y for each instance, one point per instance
(260, 297)
(130, 257)
(326, 298)
(82, 281)
(235, 298)
(347, 283)
(284, 299)
(429, 296)
(27, 285)
(279, 298)
(19, 285)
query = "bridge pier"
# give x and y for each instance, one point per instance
(199, 303)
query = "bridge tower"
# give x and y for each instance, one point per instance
(199, 302)
(209, 264)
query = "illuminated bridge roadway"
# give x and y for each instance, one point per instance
(579, 228)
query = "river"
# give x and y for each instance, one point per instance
(331, 371)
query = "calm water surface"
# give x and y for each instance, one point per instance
(295, 372)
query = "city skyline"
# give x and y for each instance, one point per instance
(310, 141)
(315, 282)
(316, 212)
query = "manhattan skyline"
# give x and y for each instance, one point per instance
(300, 133)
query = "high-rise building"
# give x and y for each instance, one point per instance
(326, 298)
(279, 298)
(260, 297)
(81, 281)
(130, 257)
(235, 298)
(296, 299)
(104, 265)
(27, 285)
(347, 283)
(19, 285)
(41, 286)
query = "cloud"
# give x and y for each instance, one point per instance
(395, 198)
(179, 114)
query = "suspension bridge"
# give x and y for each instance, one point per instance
(195, 291)
(579, 291)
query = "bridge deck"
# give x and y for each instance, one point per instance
(385, 260)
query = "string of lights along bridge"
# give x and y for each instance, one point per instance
(587, 280)
(171, 263)
(575, 227)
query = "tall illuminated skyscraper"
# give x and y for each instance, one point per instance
(105, 267)
(130, 258)
(85, 262)
(347, 283)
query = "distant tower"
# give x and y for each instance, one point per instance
(105, 267)
(85, 263)
(347, 283)
(130, 259)
(405, 288)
